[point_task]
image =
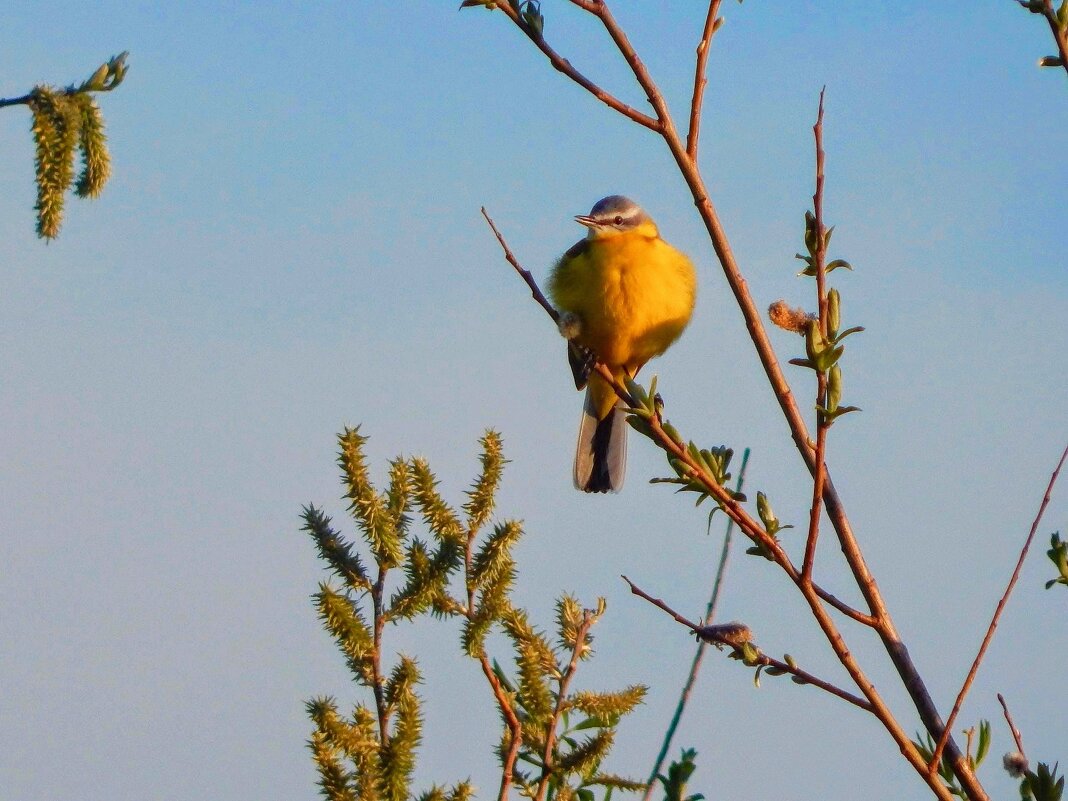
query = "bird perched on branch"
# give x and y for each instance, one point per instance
(624, 296)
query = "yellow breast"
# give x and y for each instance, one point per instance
(633, 294)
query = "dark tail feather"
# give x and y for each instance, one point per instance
(601, 455)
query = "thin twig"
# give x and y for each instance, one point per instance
(997, 613)
(762, 659)
(822, 423)
(376, 668)
(504, 703)
(16, 101)
(535, 290)
(695, 666)
(700, 81)
(588, 619)
(1012, 726)
(563, 65)
(514, 727)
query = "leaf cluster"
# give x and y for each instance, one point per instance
(1042, 784)
(823, 351)
(566, 735)
(678, 774)
(714, 462)
(771, 525)
(64, 121)
(460, 568)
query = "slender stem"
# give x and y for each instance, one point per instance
(535, 290)
(588, 620)
(822, 424)
(1012, 726)
(763, 659)
(700, 81)
(563, 65)
(997, 613)
(514, 727)
(376, 662)
(695, 666)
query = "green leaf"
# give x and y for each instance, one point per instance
(834, 388)
(854, 330)
(984, 742)
(834, 312)
(834, 265)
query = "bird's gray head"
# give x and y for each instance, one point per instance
(612, 215)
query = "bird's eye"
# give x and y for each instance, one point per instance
(619, 220)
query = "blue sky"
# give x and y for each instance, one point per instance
(291, 243)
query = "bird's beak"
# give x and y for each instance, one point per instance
(585, 219)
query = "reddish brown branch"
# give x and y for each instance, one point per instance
(535, 290)
(588, 619)
(1016, 736)
(561, 64)
(700, 81)
(822, 423)
(515, 728)
(763, 659)
(997, 614)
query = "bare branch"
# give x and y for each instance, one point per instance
(712, 23)
(1012, 726)
(535, 290)
(997, 614)
(561, 64)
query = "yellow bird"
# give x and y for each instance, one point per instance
(625, 295)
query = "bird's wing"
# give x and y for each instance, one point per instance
(581, 360)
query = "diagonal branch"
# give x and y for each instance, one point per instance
(762, 659)
(561, 64)
(535, 290)
(515, 728)
(1016, 736)
(997, 613)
